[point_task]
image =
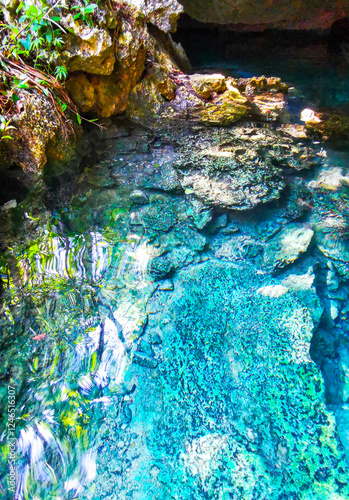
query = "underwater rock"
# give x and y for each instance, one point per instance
(161, 267)
(139, 197)
(90, 50)
(159, 216)
(237, 168)
(240, 247)
(304, 287)
(144, 359)
(288, 245)
(235, 391)
(337, 250)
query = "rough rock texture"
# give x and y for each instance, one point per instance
(288, 245)
(38, 136)
(240, 168)
(209, 99)
(89, 49)
(163, 14)
(314, 14)
(237, 168)
(207, 423)
(107, 93)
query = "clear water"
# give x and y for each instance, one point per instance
(133, 385)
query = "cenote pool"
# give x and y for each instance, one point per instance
(162, 346)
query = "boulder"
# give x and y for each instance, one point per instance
(214, 82)
(165, 95)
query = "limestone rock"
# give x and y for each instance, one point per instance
(38, 135)
(288, 245)
(81, 92)
(303, 286)
(243, 351)
(287, 14)
(222, 167)
(89, 49)
(337, 250)
(214, 82)
(105, 90)
(161, 13)
(209, 99)
(225, 110)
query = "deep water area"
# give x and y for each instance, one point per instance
(318, 69)
(175, 317)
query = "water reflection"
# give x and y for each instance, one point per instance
(71, 306)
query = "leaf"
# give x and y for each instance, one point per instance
(56, 19)
(32, 11)
(89, 9)
(48, 36)
(78, 117)
(7, 137)
(26, 42)
(77, 16)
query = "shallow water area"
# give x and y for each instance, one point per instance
(159, 337)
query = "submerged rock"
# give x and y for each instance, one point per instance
(216, 403)
(238, 168)
(288, 245)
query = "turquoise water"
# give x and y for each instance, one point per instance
(160, 348)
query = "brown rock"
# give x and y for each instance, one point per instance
(89, 49)
(37, 125)
(81, 92)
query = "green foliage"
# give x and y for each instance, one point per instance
(85, 11)
(34, 36)
(5, 127)
(61, 72)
